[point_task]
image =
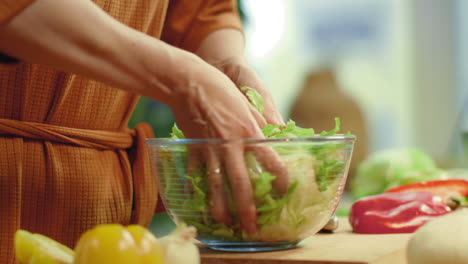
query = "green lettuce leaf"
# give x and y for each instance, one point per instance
(288, 131)
(272, 204)
(177, 133)
(254, 97)
(263, 185)
(334, 130)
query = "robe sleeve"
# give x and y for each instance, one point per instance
(10, 8)
(188, 22)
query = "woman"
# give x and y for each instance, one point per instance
(67, 159)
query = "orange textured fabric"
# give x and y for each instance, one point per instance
(189, 22)
(67, 159)
(9, 8)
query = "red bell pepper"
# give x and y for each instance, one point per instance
(452, 192)
(395, 212)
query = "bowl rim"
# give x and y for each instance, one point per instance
(184, 141)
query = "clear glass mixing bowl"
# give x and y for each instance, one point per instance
(317, 168)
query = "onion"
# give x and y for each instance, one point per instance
(179, 247)
(442, 240)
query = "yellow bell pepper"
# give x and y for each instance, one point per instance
(116, 244)
(39, 249)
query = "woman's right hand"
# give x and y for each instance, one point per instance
(209, 105)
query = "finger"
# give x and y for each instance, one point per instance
(216, 182)
(241, 187)
(271, 162)
(261, 121)
(194, 166)
(272, 115)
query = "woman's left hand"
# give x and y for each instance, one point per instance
(238, 70)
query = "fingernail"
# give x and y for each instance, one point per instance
(279, 121)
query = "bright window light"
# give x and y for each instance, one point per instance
(267, 22)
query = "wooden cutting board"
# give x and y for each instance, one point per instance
(341, 247)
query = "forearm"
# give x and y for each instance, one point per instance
(221, 45)
(224, 49)
(78, 37)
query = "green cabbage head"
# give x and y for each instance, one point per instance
(394, 167)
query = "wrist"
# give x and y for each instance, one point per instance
(183, 75)
(159, 71)
(222, 45)
(228, 62)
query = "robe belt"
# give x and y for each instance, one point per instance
(133, 141)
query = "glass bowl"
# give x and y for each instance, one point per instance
(317, 168)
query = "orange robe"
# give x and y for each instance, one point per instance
(67, 159)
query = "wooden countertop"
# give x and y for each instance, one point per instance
(341, 247)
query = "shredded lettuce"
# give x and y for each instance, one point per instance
(328, 165)
(288, 131)
(314, 173)
(263, 185)
(254, 98)
(333, 131)
(176, 132)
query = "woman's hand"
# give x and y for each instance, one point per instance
(224, 50)
(211, 106)
(239, 71)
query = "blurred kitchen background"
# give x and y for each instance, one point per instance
(395, 71)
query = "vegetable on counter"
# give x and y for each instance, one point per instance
(443, 240)
(113, 244)
(391, 168)
(395, 212)
(179, 246)
(118, 245)
(38, 249)
(453, 192)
